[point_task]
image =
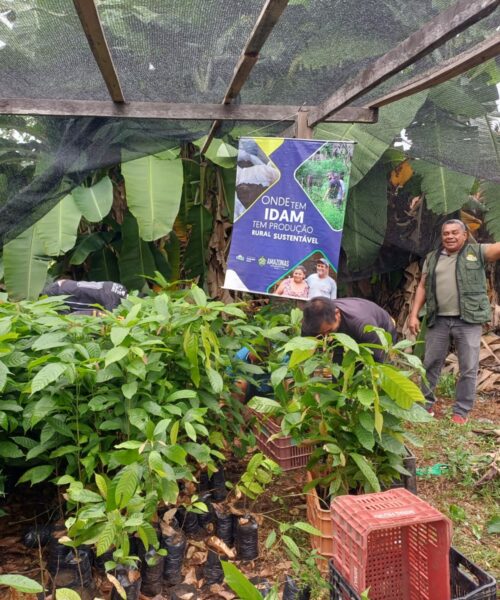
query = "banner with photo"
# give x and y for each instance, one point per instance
(288, 216)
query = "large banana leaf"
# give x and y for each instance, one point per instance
(366, 219)
(25, 265)
(445, 191)
(491, 193)
(136, 259)
(104, 266)
(154, 188)
(87, 245)
(95, 202)
(195, 259)
(374, 139)
(461, 96)
(58, 228)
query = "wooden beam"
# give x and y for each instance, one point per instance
(89, 18)
(269, 16)
(161, 110)
(429, 37)
(451, 68)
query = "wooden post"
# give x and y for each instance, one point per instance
(302, 129)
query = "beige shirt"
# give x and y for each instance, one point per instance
(448, 304)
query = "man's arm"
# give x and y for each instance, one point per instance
(418, 302)
(333, 289)
(492, 252)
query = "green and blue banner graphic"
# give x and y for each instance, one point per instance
(288, 217)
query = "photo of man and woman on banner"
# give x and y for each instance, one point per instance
(289, 213)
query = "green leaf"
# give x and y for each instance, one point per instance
(373, 139)
(47, 375)
(4, 371)
(118, 334)
(300, 355)
(271, 538)
(21, 584)
(154, 189)
(93, 242)
(365, 438)
(50, 340)
(126, 486)
(10, 450)
(25, 265)
(115, 354)
(67, 594)
(264, 405)
(445, 190)
(347, 342)
(136, 259)
(493, 525)
(102, 486)
(278, 375)
(94, 202)
(181, 395)
(58, 228)
(36, 474)
(129, 389)
(215, 379)
(105, 539)
(398, 387)
(291, 545)
(239, 583)
(84, 496)
(366, 219)
(308, 528)
(366, 470)
(190, 430)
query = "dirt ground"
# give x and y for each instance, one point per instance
(444, 442)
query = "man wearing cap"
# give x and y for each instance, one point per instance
(320, 283)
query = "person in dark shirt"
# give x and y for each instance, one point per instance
(84, 295)
(349, 316)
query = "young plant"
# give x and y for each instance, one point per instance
(354, 418)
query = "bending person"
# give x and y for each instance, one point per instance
(83, 295)
(349, 316)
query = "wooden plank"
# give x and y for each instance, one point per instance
(269, 16)
(429, 37)
(451, 68)
(161, 110)
(348, 114)
(303, 131)
(89, 18)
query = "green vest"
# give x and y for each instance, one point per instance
(471, 284)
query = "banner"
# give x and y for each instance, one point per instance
(288, 216)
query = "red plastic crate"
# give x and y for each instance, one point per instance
(282, 450)
(394, 543)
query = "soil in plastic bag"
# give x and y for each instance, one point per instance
(175, 546)
(206, 518)
(152, 565)
(183, 591)
(72, 570)
(188, 521)
(224, 525)
(130, 579)
(38, 535)
(247, 538)
(218, 486)
(292, 591)
(102, 559)
(262, 584)
(212, 569)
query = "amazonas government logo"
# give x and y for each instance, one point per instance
(262, 261)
